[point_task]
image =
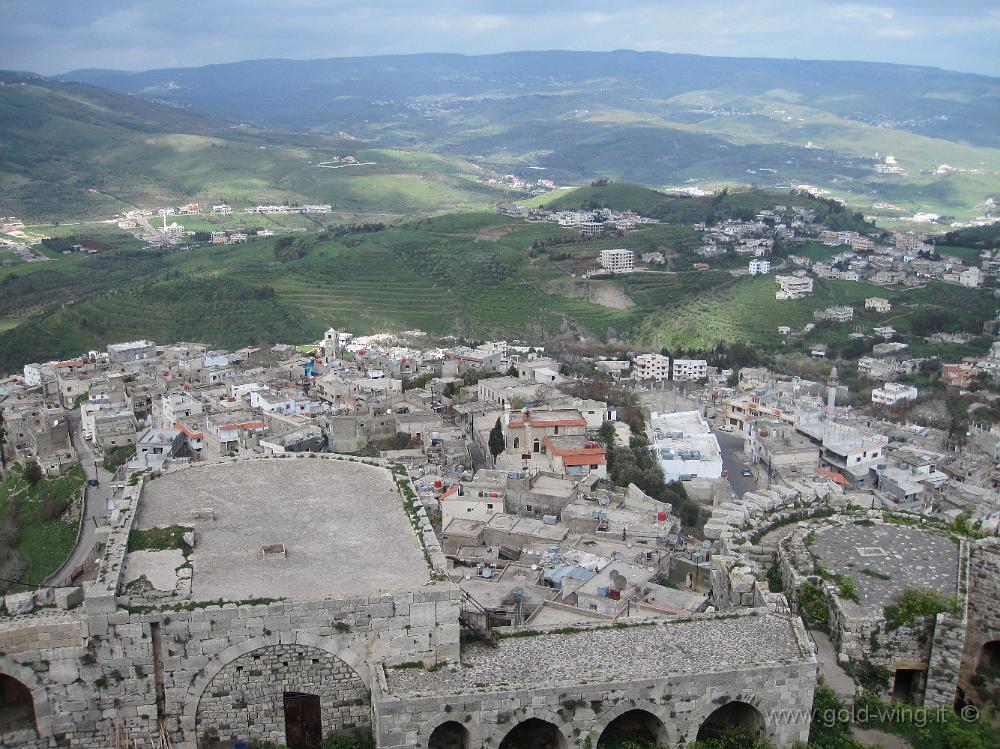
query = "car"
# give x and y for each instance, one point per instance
(747, 472)
(727, 428)
(725, 474)
(93, 482)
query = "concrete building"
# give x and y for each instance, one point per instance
(618, 261)
(685, 446)
(690, 369)
(793, 287)
(654, 367)
(878, 304)
(892, 393)
(131, 351)
(759, 267)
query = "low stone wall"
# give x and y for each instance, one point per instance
(782, 695)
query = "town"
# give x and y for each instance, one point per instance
(649, 491)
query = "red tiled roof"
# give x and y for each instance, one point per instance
(834, 477)
(248, 425)
(190, 434)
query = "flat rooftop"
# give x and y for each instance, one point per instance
(668, 648)
(342, 524)
(906, 557)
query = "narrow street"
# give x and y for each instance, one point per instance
(95, 503)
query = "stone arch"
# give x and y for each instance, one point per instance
(244, 694)
(26, 678)
(534, 733)
(337, 645)
(734, 714)
(449, 735)
(637, 724)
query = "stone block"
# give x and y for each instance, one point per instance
(19, 603)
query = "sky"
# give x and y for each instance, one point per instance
(54, 36)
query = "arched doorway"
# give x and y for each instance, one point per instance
(450, 735)
(17, 709)
(635, 728)
(986, 679)
(989, 657)
(735, 715)
(295, 692)
(534, 734)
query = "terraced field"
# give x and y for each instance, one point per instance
(746, 310)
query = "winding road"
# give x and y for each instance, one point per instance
(95, 504)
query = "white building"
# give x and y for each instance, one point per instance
(793, 287)
(972, 278)
(618, 261)
(651, 367)
(878, 304)
(685, 446)
(760, 267)
(131, 351)
(32, 375)
(893, 392)
(690, 369)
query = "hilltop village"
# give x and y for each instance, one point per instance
(447, 546)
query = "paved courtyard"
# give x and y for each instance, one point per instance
(896, 557)
(341, 523)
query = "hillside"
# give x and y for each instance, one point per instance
(474, 275)
(654, 118)
(70, 151)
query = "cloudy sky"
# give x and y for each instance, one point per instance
(53, 36)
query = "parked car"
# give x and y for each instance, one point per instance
(725, 474)
(747, 472)
(93, 482)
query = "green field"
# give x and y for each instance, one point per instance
(746, 310)
(475, 275)
(75, 152)
(43, 539)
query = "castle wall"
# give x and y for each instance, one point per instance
(782, 694)
(94, 675)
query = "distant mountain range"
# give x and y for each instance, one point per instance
(352, 92)
(659, 119)
(70, 151)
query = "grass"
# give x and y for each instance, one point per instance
(746, 310)
(83, 153)
(44, 542)
(159, 539)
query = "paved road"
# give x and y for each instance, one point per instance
(734, 461)
(95, 502)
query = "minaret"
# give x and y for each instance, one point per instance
(831, 398)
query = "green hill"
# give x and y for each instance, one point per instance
(70, 151)
(685, 209)
(652, 118)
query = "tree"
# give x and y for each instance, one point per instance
(32, 472)
(497, 441)
(606, 435)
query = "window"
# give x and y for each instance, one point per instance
(557, 429)
(489, 505)
(517, 442)
(528, 508)
(534, 447)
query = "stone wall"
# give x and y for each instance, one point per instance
(249, 692)
(983, 608)
(101, 682)
(782, 695)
